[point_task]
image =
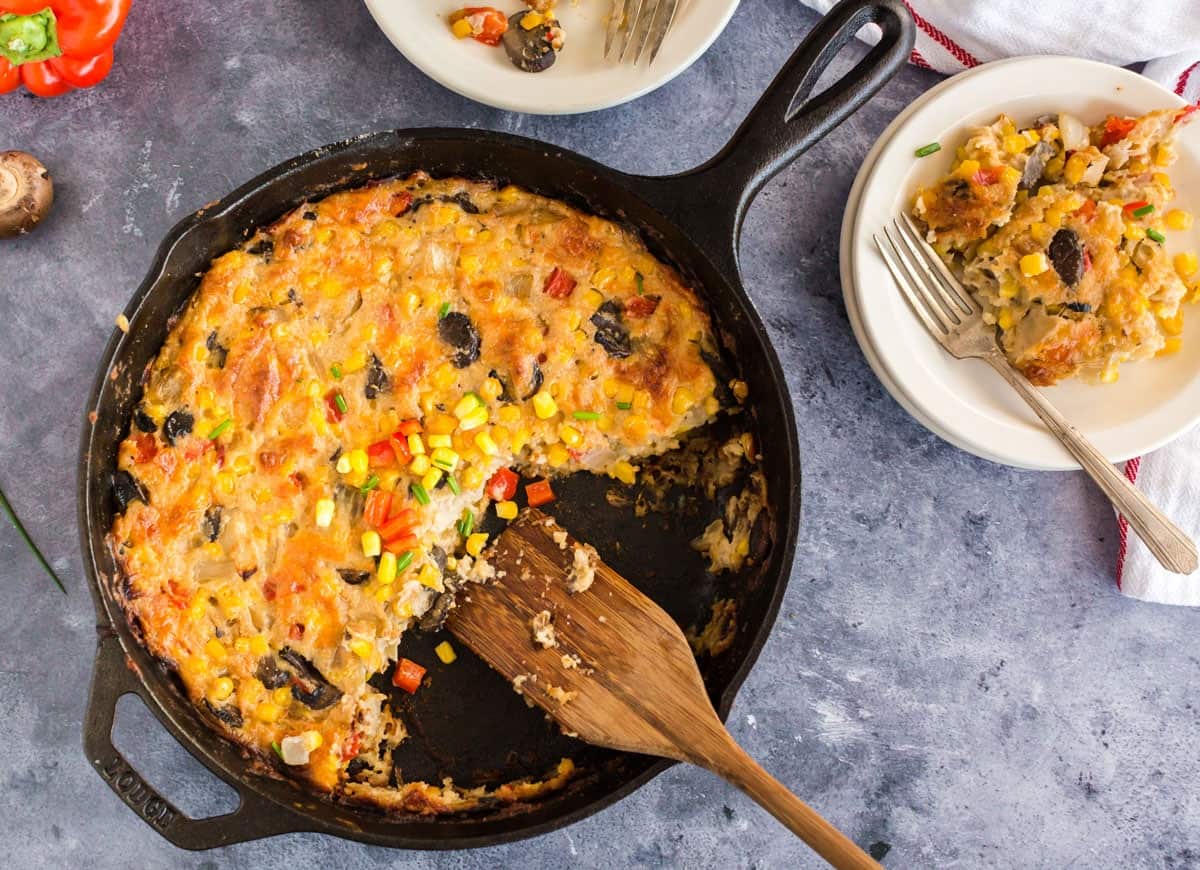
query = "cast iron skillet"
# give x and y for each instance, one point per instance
(467, 723)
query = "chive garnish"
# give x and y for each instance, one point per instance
(278, 751)
(1144, 210)
(1156, 235)
(340, 401)
(586, 415)
(419, 493)
(444, 310)
(926, 150)
(336, 371)
(372, 482)
(641, 282)
(404, 560)
(12, 516)
(453, 484)
(624, 406)
(220, 428)
(467, 523)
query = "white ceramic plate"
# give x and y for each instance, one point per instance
(964, 401)
(581, 80)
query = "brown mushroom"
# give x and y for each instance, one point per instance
(26, 192)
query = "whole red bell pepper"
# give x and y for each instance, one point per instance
(52, 46)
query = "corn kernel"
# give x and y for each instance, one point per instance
(216, 650)
(371, 545)
(1163, 154)
(1173, 325)
(519, 439)
(358, 460)
(1110, 375)
(431, 478)
(242, 645)
(324, 512)
(1041, 232)
(570, 435)
(1178, 219)
(259, 645)
(1054, 168)
(436, 441)
(461, 28)
(1161, 179)
(444, 651)
(472, 477)
(557, 456)
(967, 168)
(1009, 289)
(444, 375)
(1034, 264)
(625, 472)
(476, 543)
(1010, 176)
(506, 510)
(1015, 143)
(1134, 232)
(636, 428)
(490, 389)
(509, 414)
(544, 405)
(386, 572)
(486, 443)
(1031, 136)
(1004, 318)
(1186, 264)
(1170, 346)
(282, 696)
(474, 420)
(682, 401)
(430, 576)
(444, 458)
(711, 405)
(1076, 166)
(221, 689)
(593, 298)
(268, 711)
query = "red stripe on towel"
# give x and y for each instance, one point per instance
(959, 53)
(1131, 472)
(915, 59)
(1181, 85)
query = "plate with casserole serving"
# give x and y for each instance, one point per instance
(1060, 191)
(544, 57)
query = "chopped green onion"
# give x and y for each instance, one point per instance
(419, 493)
(404, 560)
(467, 523)
(641, 282)
(453, 484)
(586, 415)
(336, 371)
(444, 310)
(340, 401)
(278, 751)
(1144, 210)
(1156, 235)
(372, 482)
(624, 406)
(926, 150)
(220, 428)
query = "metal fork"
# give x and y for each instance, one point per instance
(635, 25)
(955, 319)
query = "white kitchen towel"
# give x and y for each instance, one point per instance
(955, 35)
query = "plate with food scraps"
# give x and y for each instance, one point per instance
(1127, 409)
(573, 77)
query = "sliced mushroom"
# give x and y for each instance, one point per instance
(1066, 254)
(126, 488)
(217, 352)
(212, 522)
(270, 674)
(26, 192)
(611, 333)
(457, 330)
(377, 379)
(309, 685)
(1035, 164)
(530, 50)
(227, 713)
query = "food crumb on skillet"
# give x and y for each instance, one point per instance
(542, 626)
(297, 507)
(583, 569)
(563, 696)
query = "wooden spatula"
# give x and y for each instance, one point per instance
(617, 672)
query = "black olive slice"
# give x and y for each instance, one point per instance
(1066, 254)
(126, 488)
(228, 714)
(264, 248)
(217, 352)
(377, 379)
(212, 522)
(177, 425)
(611, 333)
(457, 330)
(270, 674)
(144, 421)
(535, 382)
(352, 577)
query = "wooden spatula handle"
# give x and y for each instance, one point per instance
(734, 765)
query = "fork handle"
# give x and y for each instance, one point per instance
(1173, 549)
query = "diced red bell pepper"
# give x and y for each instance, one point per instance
(641, 306)
(400, 449)
(987, 175)
(401, 524)
(402, 543)
(1131, 207)
(559, 284)
(408, 675)
(378, 504)
(333, 413)
(1116, 129)
(350, 747)
(408, 427)
(487, 24)
(381, 453)
(539, 493)
(503, 485)
(1087, 261)
(1087, 211)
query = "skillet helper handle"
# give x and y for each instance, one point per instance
(787, 121)
(111, 680)
(731, 763)
(1174, 550)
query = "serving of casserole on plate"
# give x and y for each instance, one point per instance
(343, 403)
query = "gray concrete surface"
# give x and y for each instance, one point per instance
(953, 677)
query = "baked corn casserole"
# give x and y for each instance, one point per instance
(336, 409)
(1058, 230)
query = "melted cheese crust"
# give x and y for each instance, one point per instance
(320, 337)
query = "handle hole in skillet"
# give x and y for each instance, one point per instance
(166, 765)
(842, 62)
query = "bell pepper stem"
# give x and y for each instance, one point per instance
(29, 38)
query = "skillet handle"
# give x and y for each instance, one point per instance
(111, 680)
(787, 121)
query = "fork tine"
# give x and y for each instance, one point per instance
(638, 29)
(661, 25)
(616, 18)
(925, 276)
(958, 293)
(933, 301)
(935, 326)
